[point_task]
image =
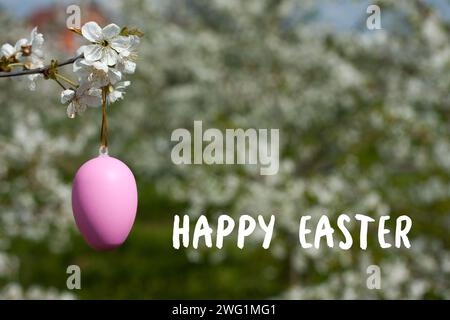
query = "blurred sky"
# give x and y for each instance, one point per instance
(343, 14)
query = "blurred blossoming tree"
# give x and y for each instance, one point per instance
(364, 128)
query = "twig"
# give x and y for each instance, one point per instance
(60, 84)
(38, 70)
(60, 76)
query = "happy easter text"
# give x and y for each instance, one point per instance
(310, 235)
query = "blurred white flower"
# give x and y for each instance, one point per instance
(27, 53)
(25, 48)
(32, 55)
(433, 32)
(126, 61)
(96, 73)
(31, 50)
(8, 50)
(32, 81)
(80, 98)
(116, 92)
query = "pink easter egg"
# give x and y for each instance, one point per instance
(104, 202)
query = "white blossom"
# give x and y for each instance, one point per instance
(79, 99)
(96, 73)
(27, 52)
(126, 60)
(33, 59)
(25, 48)
(106, 43)
(8, 50)
(117, 91)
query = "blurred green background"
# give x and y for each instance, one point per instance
(364, 119)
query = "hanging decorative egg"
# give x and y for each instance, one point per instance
(104, 201)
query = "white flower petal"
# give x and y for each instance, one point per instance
(95, 92)
(114, 96)
(93, 52)
(37, 39)
(90, 96)
(38, 53)
(82, 71)
(114, 75)
(70, 110)
(8, 50)
(128, 66)
(35, 61)
(134, 41)
(79, 107)
(80, 50)
(31, 84)
(92, 31)
(121, 43)
(109, 56)
(122, 85)
(20, 43)
(110, 31)
(100, 66)
(31, 81)
(67, 95)
(78, 65)
(85, 63)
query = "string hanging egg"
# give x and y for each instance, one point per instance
(104, 197)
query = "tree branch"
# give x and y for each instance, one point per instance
(38, 70)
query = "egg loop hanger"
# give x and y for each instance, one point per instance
(103, 150)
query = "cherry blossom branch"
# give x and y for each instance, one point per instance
(112, 54)
(42, 70)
